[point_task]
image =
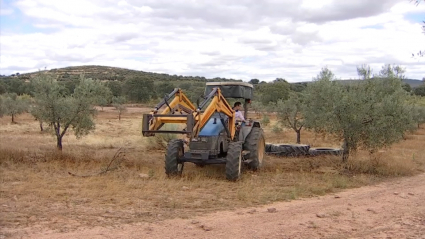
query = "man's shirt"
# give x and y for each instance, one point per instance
(239, 115)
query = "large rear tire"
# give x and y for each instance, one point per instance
(256, 145)
(175, 151)
(325, 151)
(288, 149)
(234, 161)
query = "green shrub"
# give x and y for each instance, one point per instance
(266, 120)
(276, 128)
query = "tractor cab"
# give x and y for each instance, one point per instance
(231, 91)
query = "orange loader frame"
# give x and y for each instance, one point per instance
(182, 111)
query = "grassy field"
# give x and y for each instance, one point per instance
(37, 190)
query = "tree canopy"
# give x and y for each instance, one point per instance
(273, 92)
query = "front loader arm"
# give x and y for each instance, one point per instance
(194, 118)
(153, 122)
(179, 104)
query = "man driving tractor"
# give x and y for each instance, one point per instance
(237, 108)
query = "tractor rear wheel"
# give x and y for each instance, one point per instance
(175, 151)
(234, 161)
(256, 145)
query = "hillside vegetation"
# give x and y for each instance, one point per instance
(133, 84)
(111, 73)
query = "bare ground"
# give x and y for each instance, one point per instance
(393, 209)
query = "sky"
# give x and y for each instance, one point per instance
(239, 39)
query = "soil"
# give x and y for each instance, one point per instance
(393, 209)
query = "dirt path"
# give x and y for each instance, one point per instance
(394, 209)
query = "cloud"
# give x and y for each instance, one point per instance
(345, 10)
(6, 11)
(241, 39)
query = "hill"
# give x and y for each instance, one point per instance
(114, 73)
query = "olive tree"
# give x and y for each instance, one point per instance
(370, 114)
(118, 103)
(13, 105)
(1, 107)
(273, 92)
(418, 113)
(62, 111)
(290, 113)
(419, 90)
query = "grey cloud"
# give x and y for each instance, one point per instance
(303, 38)
(240, 14)
(210, 53)
(220, 13)
(286, 29)
(125, 37)
(254, 41)
(68, 57)
(267, 48)
(345, 10)
(219, 60)
(260, 44)
(252, 13)
(13, 69)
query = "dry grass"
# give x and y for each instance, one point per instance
(37, 189)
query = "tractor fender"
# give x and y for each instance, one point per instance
(246, 130)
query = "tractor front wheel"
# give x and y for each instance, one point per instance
(234, 161)
(175, 151)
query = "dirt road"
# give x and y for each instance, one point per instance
(394, 209)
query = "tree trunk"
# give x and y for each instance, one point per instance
(58, 136)
(13, 118)
(345, 151)
(119, 116)
(41, 126)
(298, 136)
(59, 143)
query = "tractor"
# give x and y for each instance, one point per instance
(213, 134)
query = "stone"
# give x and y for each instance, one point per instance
(372, 210)
(143, 175)
(206, 228)
(271, 210)
(252, 211)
